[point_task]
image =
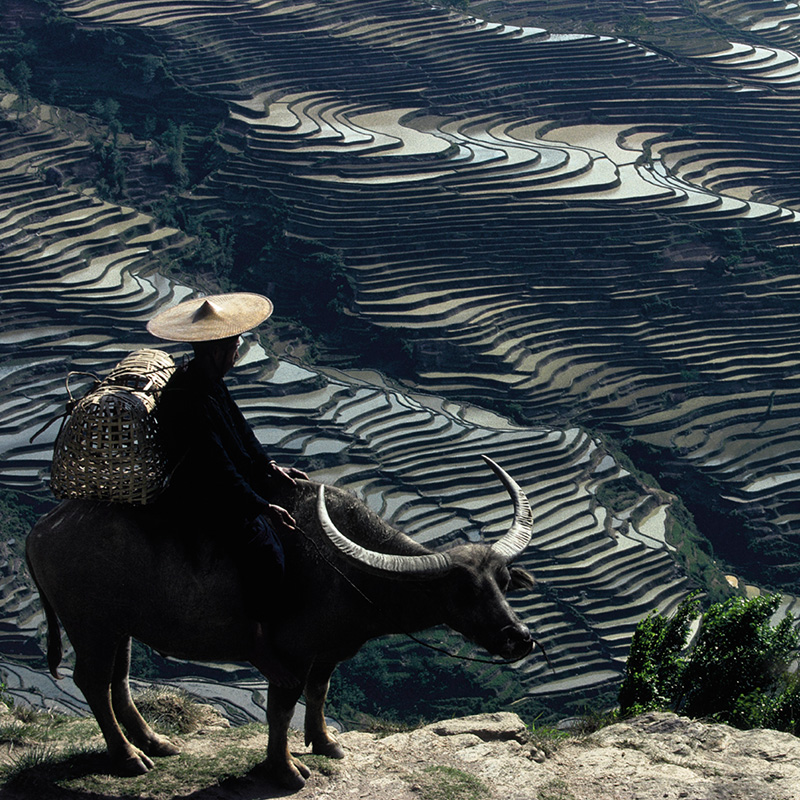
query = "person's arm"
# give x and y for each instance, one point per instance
(218, 476)
(265, 466)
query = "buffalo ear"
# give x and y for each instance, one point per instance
(520, 579)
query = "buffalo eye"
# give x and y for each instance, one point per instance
(504, 580)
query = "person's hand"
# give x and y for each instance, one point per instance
(289, 474)
(280, 516)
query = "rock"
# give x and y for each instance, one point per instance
(651, 757)
(729, 763)
(488, 727)
(538, 755)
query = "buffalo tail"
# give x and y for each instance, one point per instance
(54, 649)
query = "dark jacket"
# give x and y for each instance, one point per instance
(219, 468)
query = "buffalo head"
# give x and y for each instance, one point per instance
(465, 585)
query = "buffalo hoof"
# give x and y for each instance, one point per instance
(135, 764)
(330, 748)
(301, 770)
(289, 775)
(161, 747)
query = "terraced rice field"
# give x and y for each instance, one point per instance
(80, 276)
(524, 205)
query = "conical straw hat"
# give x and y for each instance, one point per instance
(218, 316)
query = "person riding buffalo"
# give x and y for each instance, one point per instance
(221, 476)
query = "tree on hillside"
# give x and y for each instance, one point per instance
(737, 670)
(21, 76)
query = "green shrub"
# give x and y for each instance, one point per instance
(736, 672)
(738, 655)
(654, 671)
(784, 714)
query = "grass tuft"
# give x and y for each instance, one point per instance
(321, 764)
(547, 738)
(448, 783)
(36, 770)
(555, 790)
(25, 725)
(170, 711)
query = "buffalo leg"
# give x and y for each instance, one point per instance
(317, 733)
(94, 668)
(142, 735)
(285, 768)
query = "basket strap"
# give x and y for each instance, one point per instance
(69, 391)
(71, 403)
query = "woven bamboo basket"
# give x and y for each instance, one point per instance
(108, 448)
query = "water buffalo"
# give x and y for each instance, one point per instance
(110, 572)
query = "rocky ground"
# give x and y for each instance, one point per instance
(653, 757)
(656, 756)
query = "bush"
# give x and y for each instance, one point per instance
(736, 672)
(654, 670)
(739, 658)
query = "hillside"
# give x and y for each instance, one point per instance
(553, 242)
(563, 225)
(486, 757)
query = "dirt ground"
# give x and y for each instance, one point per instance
(489, 756)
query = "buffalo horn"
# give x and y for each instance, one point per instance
(427, 565)
(518, 536)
